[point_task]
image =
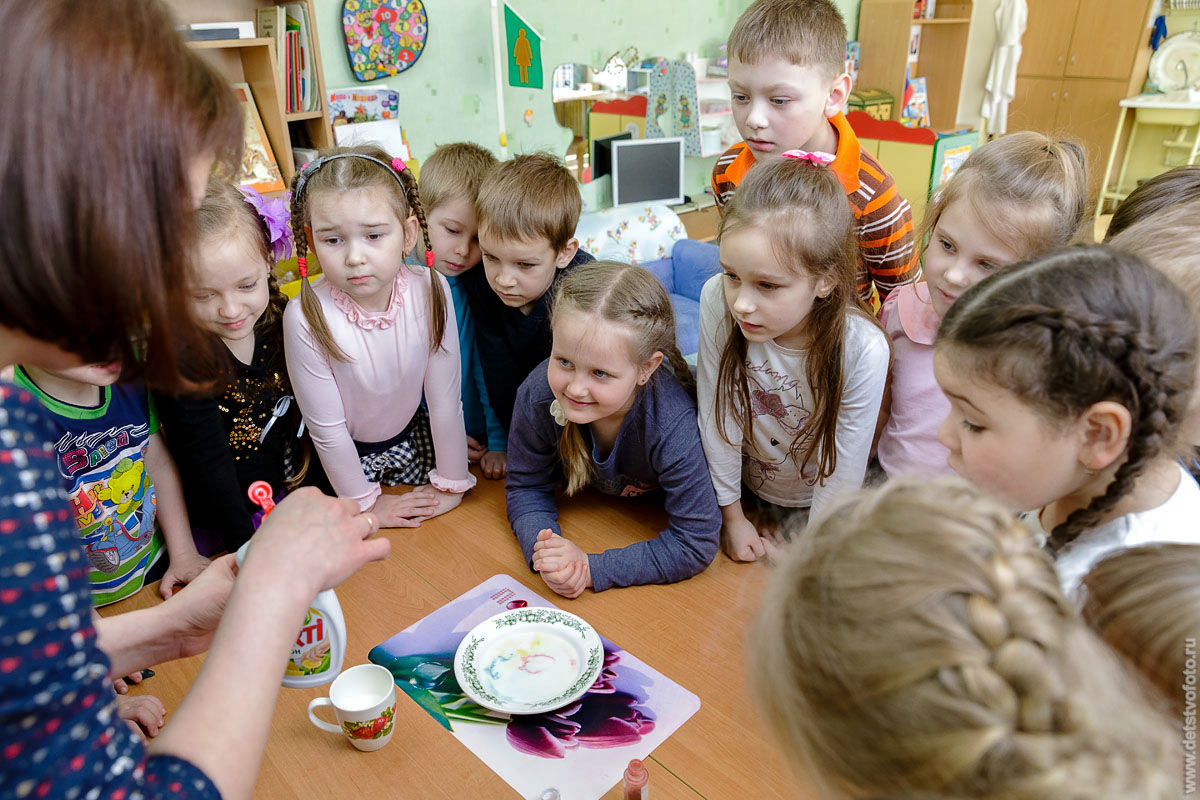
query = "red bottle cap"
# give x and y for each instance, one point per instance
(261, 494)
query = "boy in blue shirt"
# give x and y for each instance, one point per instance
(450, 180)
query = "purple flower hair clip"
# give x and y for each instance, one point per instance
(274, 213)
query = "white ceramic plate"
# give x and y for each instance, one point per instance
(1176, 63)
(529, 660)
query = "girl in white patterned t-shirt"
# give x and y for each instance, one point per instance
(791, 368)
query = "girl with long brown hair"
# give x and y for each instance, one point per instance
(245, 427)
(1069, 378)
(791, 367)
(604, 411)
(97, 192)
(373, 338)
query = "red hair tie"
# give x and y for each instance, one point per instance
(398, 164)
(303, 262)
(429, 258)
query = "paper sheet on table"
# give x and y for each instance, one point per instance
(583, 753)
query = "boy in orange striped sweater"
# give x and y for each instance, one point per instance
(788, 83)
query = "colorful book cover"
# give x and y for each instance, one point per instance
(259, 169)
(363, 104)
(582, 749)
(915, 111)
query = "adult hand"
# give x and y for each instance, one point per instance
(475, 450)
(316, 539)
(194, 611)
(146, 710)
(494, 464)
(741, 540)
(406, 510)
(181, 571)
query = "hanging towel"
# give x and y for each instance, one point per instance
(1011, 17)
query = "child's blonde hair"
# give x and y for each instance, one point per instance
(626, 295)
(1007, 179)
(915, 642)
(1163, 191)
(807, 33)
(1145, 602)
(530, 197)
(801, 208)
(366, 167)
(453, 171)
(1169, 241)
(1077, 326)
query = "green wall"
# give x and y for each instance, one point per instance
(449, 94)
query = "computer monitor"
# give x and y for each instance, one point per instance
(648, 171)
(602, 153)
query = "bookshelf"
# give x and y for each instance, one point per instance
(883, 30)
(254, 61)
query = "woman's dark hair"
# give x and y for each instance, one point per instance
(95, 193)
(1077, 326)
(1171, 188)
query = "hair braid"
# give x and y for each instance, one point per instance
(1137, 360)
(437, 298)
(309, 303)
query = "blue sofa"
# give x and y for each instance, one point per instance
(683, 273)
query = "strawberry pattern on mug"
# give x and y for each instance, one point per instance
(60, 736)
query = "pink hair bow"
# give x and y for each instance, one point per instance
(817, 159)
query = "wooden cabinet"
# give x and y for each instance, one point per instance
(1079, 59)
(1035, 104)
(1047, 40)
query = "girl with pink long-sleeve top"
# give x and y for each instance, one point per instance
(366, 343)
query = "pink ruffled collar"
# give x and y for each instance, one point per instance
(917, 317)
(370, 320)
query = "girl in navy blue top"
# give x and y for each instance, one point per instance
(601, 413)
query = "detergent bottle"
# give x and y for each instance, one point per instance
(320, 646)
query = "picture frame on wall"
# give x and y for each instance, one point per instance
(260, 170)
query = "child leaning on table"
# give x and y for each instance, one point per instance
(606, 412)
(374, 338)
(450, 181)
(527, 210)
(788, 84)
(914, 642)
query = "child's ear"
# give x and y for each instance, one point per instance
(647, 369)
(824, 286)
(412, 229)
(1105, 429)
(839, 93)
(566, 254)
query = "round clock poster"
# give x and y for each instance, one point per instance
(384, 37)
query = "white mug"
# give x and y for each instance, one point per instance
(364, 700)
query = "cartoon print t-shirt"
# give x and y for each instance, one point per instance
(780, 404)
(101, 455)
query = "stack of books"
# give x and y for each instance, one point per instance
(291, 29)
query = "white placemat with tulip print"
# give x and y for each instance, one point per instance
(580, 750)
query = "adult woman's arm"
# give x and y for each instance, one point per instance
(309, 543)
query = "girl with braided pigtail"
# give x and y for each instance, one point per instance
(915, 643)
(368, 342)
(1069, 377)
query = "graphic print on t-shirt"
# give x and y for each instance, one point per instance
(778, 414)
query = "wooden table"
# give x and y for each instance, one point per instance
(693, 632)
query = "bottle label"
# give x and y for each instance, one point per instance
(311, 652)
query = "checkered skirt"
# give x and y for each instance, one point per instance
(406, 459)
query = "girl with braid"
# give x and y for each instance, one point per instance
(915, 643)
(602, 412)
(1069, 377)
(365, 343)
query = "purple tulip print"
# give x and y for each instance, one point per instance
(604, 717)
